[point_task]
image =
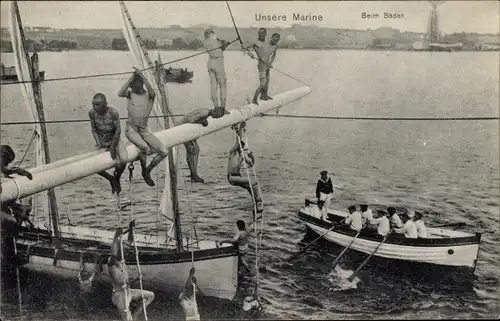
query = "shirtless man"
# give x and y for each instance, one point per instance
(188, 298)
(236, 157)
(240, 239)
(139, 105)
(215, 66)
(85, 284)
(123, 295)
(106, 129)
(198, 116)
(266, 53)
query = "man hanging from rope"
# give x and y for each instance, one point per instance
(198, 116)
(139, 106)
(237, 155)
(266, 53)
(123, 295)
(215, 66)
(85, 283)
(188, 297)
(106, 129)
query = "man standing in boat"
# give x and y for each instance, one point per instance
(106, 129)
(266, 53)
(237, 155)
(123, 295)
(324, 192)
(215, 65)
(198, 116)
(139, 106)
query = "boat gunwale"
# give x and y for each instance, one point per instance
(393, 239)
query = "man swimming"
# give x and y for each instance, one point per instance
(139, 106)
(215, 66)
(198, 116)
(237, 155)
(266, 53)
(123, 295)
(106, 129)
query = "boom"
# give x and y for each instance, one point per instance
(20, 187)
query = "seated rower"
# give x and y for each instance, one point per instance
(382, 223)
(354, 219)
(198, 116)
(395, 219)
(409, 229)
(237, 155)
(366, 214)
(240, 239)
(188, 297)
(419, 224)
(123, 294)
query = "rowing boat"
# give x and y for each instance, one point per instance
(443, 247)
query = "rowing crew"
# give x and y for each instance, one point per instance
(412, 228)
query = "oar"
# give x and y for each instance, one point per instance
(345, 250)
(351, 278)
(293, 256)
(456, 225)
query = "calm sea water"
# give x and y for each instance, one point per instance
(448, 168)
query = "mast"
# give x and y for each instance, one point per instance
(33, 67)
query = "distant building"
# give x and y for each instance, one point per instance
(291, 38)
(164, 42)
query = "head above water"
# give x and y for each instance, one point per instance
(391, 210)
(262, 34)
(241, 225)
(352, 208)
(275, 38)
(99, 103)
(7, 155)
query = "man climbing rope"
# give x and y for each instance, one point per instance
(198, 116)
(106, 129)
(123, 295)
(215, 66)
(266, 53)
(188, 298)
(139, 106)
(237, 155)
(85, 283)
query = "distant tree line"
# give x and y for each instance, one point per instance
(176, 44)
(42, 45)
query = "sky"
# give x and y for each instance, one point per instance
(454, 16)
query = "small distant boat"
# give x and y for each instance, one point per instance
(443, 247)
(9, 73)
(178, 75)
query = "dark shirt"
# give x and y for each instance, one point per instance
(324, 187)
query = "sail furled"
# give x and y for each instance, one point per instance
(24, 73)
(143, 62)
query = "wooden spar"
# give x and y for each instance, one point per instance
(22, 187)
(37, 90)
(171, 162)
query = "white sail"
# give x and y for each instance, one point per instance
(71, 171)
(143, 62)
(23, 71)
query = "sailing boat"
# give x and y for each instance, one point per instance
(58, 250)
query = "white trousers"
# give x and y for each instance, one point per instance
(326, 198)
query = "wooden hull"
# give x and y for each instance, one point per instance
(458, 250)
(163, 268)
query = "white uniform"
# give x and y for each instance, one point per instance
(409, 229)
(355, 221)
(383, 225)
(421, 230)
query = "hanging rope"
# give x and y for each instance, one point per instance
(131, 170)
(18, 281)
(116, 73)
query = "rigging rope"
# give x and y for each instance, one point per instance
(131, 169)
(18, 281)
(256, 236)
(115, 73)
(289, 116)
